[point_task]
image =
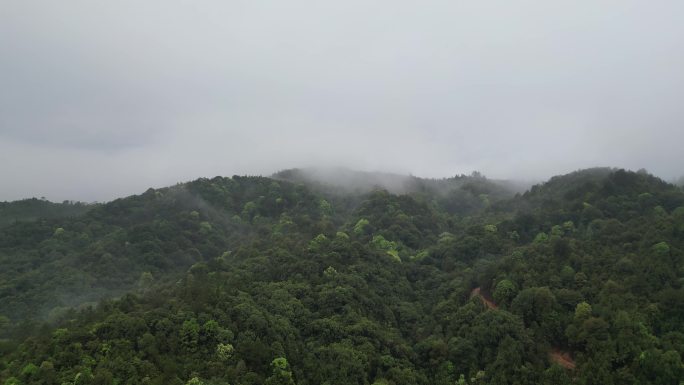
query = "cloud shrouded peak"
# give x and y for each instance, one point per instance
(102, 99)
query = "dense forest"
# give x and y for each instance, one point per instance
(353, 279)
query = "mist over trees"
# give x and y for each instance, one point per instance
(680, 182)
(349, 278)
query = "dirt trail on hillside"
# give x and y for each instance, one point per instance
(562, 358)
(477, 292)
(556, 355)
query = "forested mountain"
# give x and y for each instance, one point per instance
(400, 280)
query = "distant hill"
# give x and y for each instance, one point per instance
(350, 181)
(462, 194)
(27, 210)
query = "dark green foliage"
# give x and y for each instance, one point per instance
(250, 280)
(29, 210)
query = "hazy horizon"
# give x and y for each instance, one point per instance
(100, 100)
(324, 175)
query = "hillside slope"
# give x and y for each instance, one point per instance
(250, 280)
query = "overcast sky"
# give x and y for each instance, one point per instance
(101, 99)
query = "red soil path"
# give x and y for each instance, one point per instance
(562, 358)
(556, 355)
(485, 299)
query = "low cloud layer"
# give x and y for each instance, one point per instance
(104, 99)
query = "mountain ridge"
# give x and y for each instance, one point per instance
(351, 287)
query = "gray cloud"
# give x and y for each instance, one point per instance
(102, 99)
